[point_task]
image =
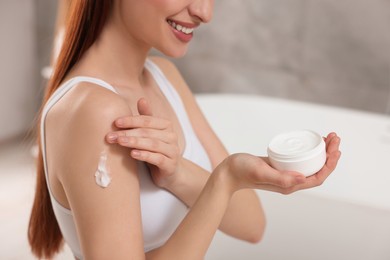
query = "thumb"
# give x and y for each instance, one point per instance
(144, 107)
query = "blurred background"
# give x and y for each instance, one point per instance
(329, 52)
(325, 51)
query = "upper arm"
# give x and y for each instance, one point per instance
(214, 147)
(108, 220)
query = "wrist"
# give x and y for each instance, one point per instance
(177, 179)
(223, 179)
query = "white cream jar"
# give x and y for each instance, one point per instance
(302, 151)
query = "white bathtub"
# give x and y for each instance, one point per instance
(346, 218)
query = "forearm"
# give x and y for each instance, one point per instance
(244, 218)
(194, 235)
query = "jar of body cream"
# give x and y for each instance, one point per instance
(301, 151)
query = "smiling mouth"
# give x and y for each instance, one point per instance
(180, 27)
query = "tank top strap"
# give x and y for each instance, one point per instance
(175, 100)
(68, 85)
(164, 84)
(170, 93)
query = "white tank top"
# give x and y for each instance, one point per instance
(154, 201)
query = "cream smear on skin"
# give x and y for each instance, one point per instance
(102, 176)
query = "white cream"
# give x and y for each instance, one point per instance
(302, 151)
(102, 176)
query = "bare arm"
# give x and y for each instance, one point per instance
(108, 220)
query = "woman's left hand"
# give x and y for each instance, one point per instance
(151, 140)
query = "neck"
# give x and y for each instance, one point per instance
(117, 57)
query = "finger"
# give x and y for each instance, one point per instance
(265, 174)
(283, 179)
(142, 121)
(332, 161)
(147, 144)
(281, 183)
(143, 107)
(328, 138)
(164, 136)
(319, 178)
(156, 159)
(333, 145)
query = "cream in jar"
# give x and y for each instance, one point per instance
(302, 151)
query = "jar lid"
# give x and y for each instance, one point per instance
(296, 144)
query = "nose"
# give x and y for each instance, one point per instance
(202, 10)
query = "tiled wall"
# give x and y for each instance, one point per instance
(333, 52)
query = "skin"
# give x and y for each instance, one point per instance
(139, 124)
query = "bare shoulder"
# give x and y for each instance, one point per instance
(79, 121)
(95, 102)
(88, 105)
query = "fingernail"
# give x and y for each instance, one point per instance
(119, 122)
(112, 137)
(135, 153)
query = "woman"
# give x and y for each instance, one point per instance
(156, 200)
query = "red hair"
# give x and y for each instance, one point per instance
(85, 21)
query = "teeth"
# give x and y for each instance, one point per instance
(180, 27)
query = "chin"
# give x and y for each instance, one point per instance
(174, 52)
(176, 55)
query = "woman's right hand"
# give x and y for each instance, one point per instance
(152, 140)
(248, 171)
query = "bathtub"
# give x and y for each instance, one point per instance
(348, 217)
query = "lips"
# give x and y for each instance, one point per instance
(179, 27)
(183, 31)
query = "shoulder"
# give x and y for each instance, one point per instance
(78, 122)
(89, 105)
(96, 102)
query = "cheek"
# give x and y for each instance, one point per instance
(168, 7)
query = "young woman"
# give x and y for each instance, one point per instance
(125, 152)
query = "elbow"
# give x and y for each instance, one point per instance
(257, 233)
(256, 237)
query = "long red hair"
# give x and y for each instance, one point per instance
(85, 21)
